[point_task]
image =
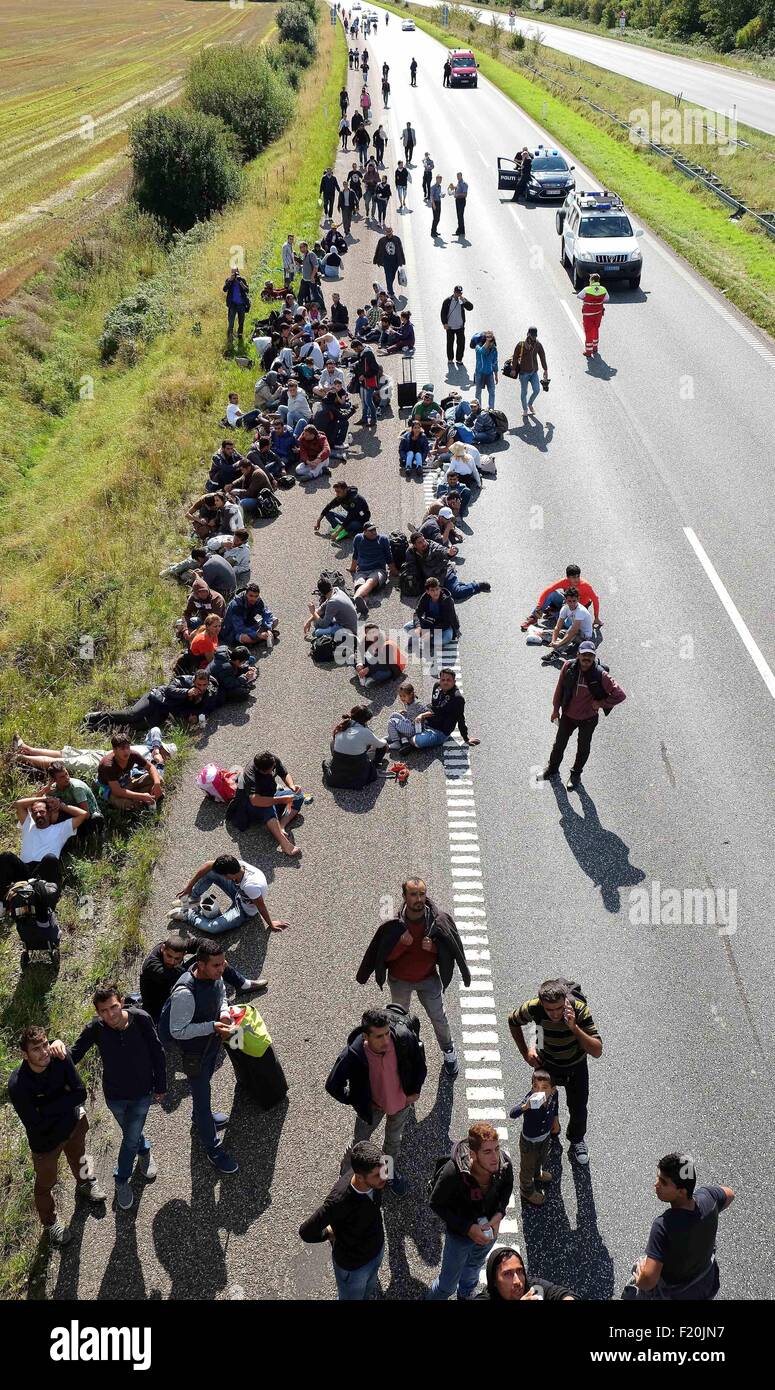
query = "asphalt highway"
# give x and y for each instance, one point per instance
(739, 95)
(670, 430)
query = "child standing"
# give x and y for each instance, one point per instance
(539, 1123)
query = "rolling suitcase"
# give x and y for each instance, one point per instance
(407, 386)
(262, 1077)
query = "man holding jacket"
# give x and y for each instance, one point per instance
(470, 1194)
(584, 689)
(453, 317)
(380, 1073)
(418, 951)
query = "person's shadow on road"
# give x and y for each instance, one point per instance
(600, 854)
(538, 435)
(410, 1217)
(578, 1258)
(598, 367)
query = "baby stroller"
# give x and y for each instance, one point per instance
(30, 905)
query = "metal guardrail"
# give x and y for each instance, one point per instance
(765, 220)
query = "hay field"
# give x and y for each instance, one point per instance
(72, 75)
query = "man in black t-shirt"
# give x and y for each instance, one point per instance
(680, 1259)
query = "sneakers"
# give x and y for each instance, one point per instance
(543, 1177)
(579, 1153)
(451, 1064)
(484, 587)
(527, 622)
(58, 1234)
(91, 1190)
(253, 986)
(535, 1199)
(125, 1197)
(223, 1161)
(208, 906)
(147, 1166)
(179, 914)
(398, 1186)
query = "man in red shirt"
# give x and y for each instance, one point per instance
(583, 689)
(553, 596)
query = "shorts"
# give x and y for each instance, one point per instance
(379, 575)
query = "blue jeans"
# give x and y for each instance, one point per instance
(460, 1265)
(225, 921)
(356, 1285)
(413, 459)
(267, 813)
(202, 1106)
(130, 1118)
(528, 379)
(338, 519)
(369, 408)
(437, 637)
(430, 738)
(554, 600)
(482, 379)
(457, 589)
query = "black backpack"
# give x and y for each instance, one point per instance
(410, 583)
(267, 505)
(441, 1162)
(333, 577)
(323, 648)
(500, 422)
(399, 544)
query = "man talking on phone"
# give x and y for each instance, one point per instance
(567, 1036)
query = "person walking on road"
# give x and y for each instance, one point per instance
(436, 195)
(408, 140)
(346, 204)
(594, 298)
(413, 72)
(365, 101)
(461, 197)
(680, 1259)
(329, 187)
(453, 317)
(385, 93)
(427, 176)
(389, 254)
(583, 689)
(418, 950)
(197, 1018)
(361, 141)
(447, 72)
(470, 1194)
(402, 178)
(568, 1037)
(344, 134)
(344, 101)
(380, 1072)
(351, 1219)
(524, 364)
(486, 368)
(48, 1095)
(380, 140)
(134, 1073)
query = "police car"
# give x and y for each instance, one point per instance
(550, 176)
(596, 235)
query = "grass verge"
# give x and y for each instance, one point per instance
(738, 259)
(100, 492)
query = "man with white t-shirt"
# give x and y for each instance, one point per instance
(243, 884)
(46, 826)
(574, 622)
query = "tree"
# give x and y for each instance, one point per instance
(185, 166)
(243, 88)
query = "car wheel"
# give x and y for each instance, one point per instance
(562, 251)
(579, 280)
(559, 222)
(634, 282)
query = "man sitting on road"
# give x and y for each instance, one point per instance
(248, 621)
(553, 597)
(232, 670)
(481, 424)
(426, 408)
(185, 698)
(166, 962)
(574, 622)
(202, 601)
(314, 453)
(336, 613)
(371, 563)
(224, 468)
(425, 560)
(243, 884)
(348, 513)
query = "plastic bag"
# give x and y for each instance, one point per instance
(217, 782)
(534, 636)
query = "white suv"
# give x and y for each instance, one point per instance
(597, 235)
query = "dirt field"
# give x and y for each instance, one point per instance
(71, 77)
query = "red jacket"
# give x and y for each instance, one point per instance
(315, 450)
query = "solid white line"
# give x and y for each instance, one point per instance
(575, 325)
(742, 630)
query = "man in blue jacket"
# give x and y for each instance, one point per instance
(237, 301)
(134, 1073)
(380, 1073)
(232, 670)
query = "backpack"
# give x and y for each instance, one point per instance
(267, 505)
(500, 422)
(322, 648)
(334, 577)
(409, 583)
(441, 1162)
(399, 544)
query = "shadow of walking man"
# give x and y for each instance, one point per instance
(600, 854)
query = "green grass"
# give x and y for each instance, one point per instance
(738, 259)
(100, 491)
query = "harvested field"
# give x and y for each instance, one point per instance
(71, 78)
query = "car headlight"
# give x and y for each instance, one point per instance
(635, 255)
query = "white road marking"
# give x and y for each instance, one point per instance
(743, 631)
(574, 323)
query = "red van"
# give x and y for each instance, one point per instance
(463, 68)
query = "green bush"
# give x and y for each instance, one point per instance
(185, 166)
(752, 33)
(140, 316)
(517, 41)
(295, 24)
(243, 88)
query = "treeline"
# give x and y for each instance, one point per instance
(723, 24)
(187, 160)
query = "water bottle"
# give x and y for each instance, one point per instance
(487, 1229)
(202, 721)
(537, 1291)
